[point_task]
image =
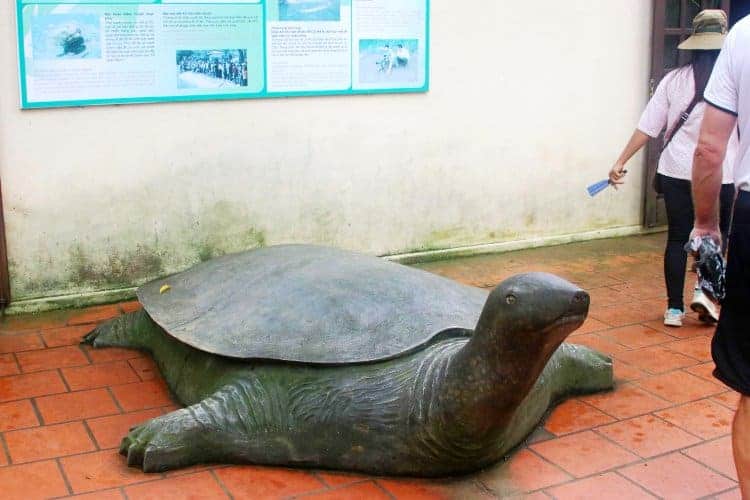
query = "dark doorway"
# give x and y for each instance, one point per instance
(740, 9)
(673, 23)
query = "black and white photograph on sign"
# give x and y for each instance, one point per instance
(66, 36)
(388, 61)
(211, 69)
(309, 10)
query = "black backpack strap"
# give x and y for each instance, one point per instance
(681, 120)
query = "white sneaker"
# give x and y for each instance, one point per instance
(704, 307)
(673, 317)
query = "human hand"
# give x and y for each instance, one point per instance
(700, 232)
(616, 175)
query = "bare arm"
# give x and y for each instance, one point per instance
(717, 127)
(636, 142)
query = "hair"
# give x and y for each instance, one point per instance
(702, 62)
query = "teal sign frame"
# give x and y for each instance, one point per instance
(102, 52)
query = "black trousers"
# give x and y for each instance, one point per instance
(731, 343)
(678, 200)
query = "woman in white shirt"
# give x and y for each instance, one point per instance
(677, 107)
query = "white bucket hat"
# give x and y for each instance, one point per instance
(709, 31)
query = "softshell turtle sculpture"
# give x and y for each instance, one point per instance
(310, 356)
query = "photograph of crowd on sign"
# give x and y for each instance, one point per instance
(211, 69)
(68, 36)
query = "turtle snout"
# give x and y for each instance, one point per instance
(579, 304)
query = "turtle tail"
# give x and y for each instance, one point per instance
(128, 330)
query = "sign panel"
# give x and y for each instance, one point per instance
(86, 52)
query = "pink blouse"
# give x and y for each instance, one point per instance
(672, 97)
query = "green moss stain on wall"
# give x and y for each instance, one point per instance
(134, 255)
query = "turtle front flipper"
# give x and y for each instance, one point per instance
(217, 429)
(128, 330)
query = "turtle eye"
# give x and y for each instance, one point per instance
(510, 299)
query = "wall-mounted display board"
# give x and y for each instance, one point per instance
(86, 52)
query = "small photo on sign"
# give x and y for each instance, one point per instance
(66, 36)
(388, 61)
(211, 69)
(309, 10)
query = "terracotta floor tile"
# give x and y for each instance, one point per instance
(336, 479)
(20, 342)
(716, 455)
(17, 415)
(697, 347)
(704, 418)
(656, 359)
(41, 443)
(676, 476)
(607, 296)
(145, 368)
(194, 486)
(31, 385)
(247, 482)
(99, 375)
(704, 371)
(8, 365)
(142, 395)
(434, 489)
(54, 319)
(626, 373)
(76, 406)
(368, 490)
(730, 399)
(48, 359)
(94, 314)
(70, 335)
(100, 471)
(690, 328)
(524, 471)
(109, 431)
(591, 325)
(618, 315)
(573, 416)
(648, 436)
(28, 481)
(626, 401)
(132, 306)
(597, 342)
(100, 495)
(109, 354)
(584, 454)
(679, 386)
(729, 495)
(636, 336)
(610, 486)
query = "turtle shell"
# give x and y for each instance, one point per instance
(310, 304)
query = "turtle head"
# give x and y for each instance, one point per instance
(532, 311)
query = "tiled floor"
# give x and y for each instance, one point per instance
(664, 432)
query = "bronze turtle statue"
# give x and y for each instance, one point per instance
(310, 356)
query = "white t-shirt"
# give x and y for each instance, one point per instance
(729, 90)
(672, 97)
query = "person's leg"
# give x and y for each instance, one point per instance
(679, 204)
(741, 445)
(730, 347)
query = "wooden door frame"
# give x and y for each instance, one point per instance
(4, 270)
(654, 213)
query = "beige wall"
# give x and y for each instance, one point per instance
(529, 102)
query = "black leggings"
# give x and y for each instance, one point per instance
(679, 203)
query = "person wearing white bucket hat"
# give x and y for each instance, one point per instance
(677, 107)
